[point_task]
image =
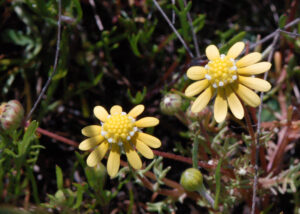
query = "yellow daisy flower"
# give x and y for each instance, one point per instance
(227, 77)
(118, 132)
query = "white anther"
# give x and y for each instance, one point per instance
(253, 76)
(123, 113)
(206, 66)
(135, 129)
(233, 68)
(207, 76)
(110, 140)
(131, 133)
(108, 116)
(215, 85)
(131, 118)
(222, 56)
(120, 143)
(221, 83)
(232, 60)
(234, 77)
(103, 133)
(128, 138)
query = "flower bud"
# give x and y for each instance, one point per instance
(278, 61)
(191, 180)
(11, 115)
(170, 104)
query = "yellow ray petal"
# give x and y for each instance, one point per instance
(220, 106)
(234, 103)
(91, 131)
(100, 113)
(149, 140)
(146, 122)
(97, 155)
(255, 83)
(247, 95)
(113, 162)
(132, 156)
(116, 109)
(196, 72)
(90, 143)
(257, 68)
(249, 59)
(144, 149)
(202, 100)
(235, 50)
(196, 88)
(212, 52)
(136, 111)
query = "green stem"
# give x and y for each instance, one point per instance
(202, 191)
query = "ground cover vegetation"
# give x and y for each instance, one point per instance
(146, 106)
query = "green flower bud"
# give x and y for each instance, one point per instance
(11, 115)
(171, 104)
(191, 180)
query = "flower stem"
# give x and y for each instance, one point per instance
(202, 191)
(195, 152)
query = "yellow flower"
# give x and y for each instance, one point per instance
(228, 77)
(118, 132)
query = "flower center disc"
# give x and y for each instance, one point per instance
(221, 71)
(118, 128)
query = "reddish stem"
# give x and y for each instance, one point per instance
(159, 153)
(57, 137)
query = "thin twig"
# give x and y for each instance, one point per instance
(292, 23)
(54, 66)
(173, 28)
(57, 137)
(195, 150)
(271, 35)
(291, 34)
(193, 31)
(96, 16)
(255, 181)
(173, 13)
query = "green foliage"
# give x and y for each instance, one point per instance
(19, 154)
(137, 50)
(139, 97)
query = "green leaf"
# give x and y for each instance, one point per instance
(79, 194)
(33, 185)
(27, 138)
(78, 10)
(133, 41)
(59, 177)
(282, 21)
(232, 41)
(218, 183)
(199, 22)
(139, 97)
